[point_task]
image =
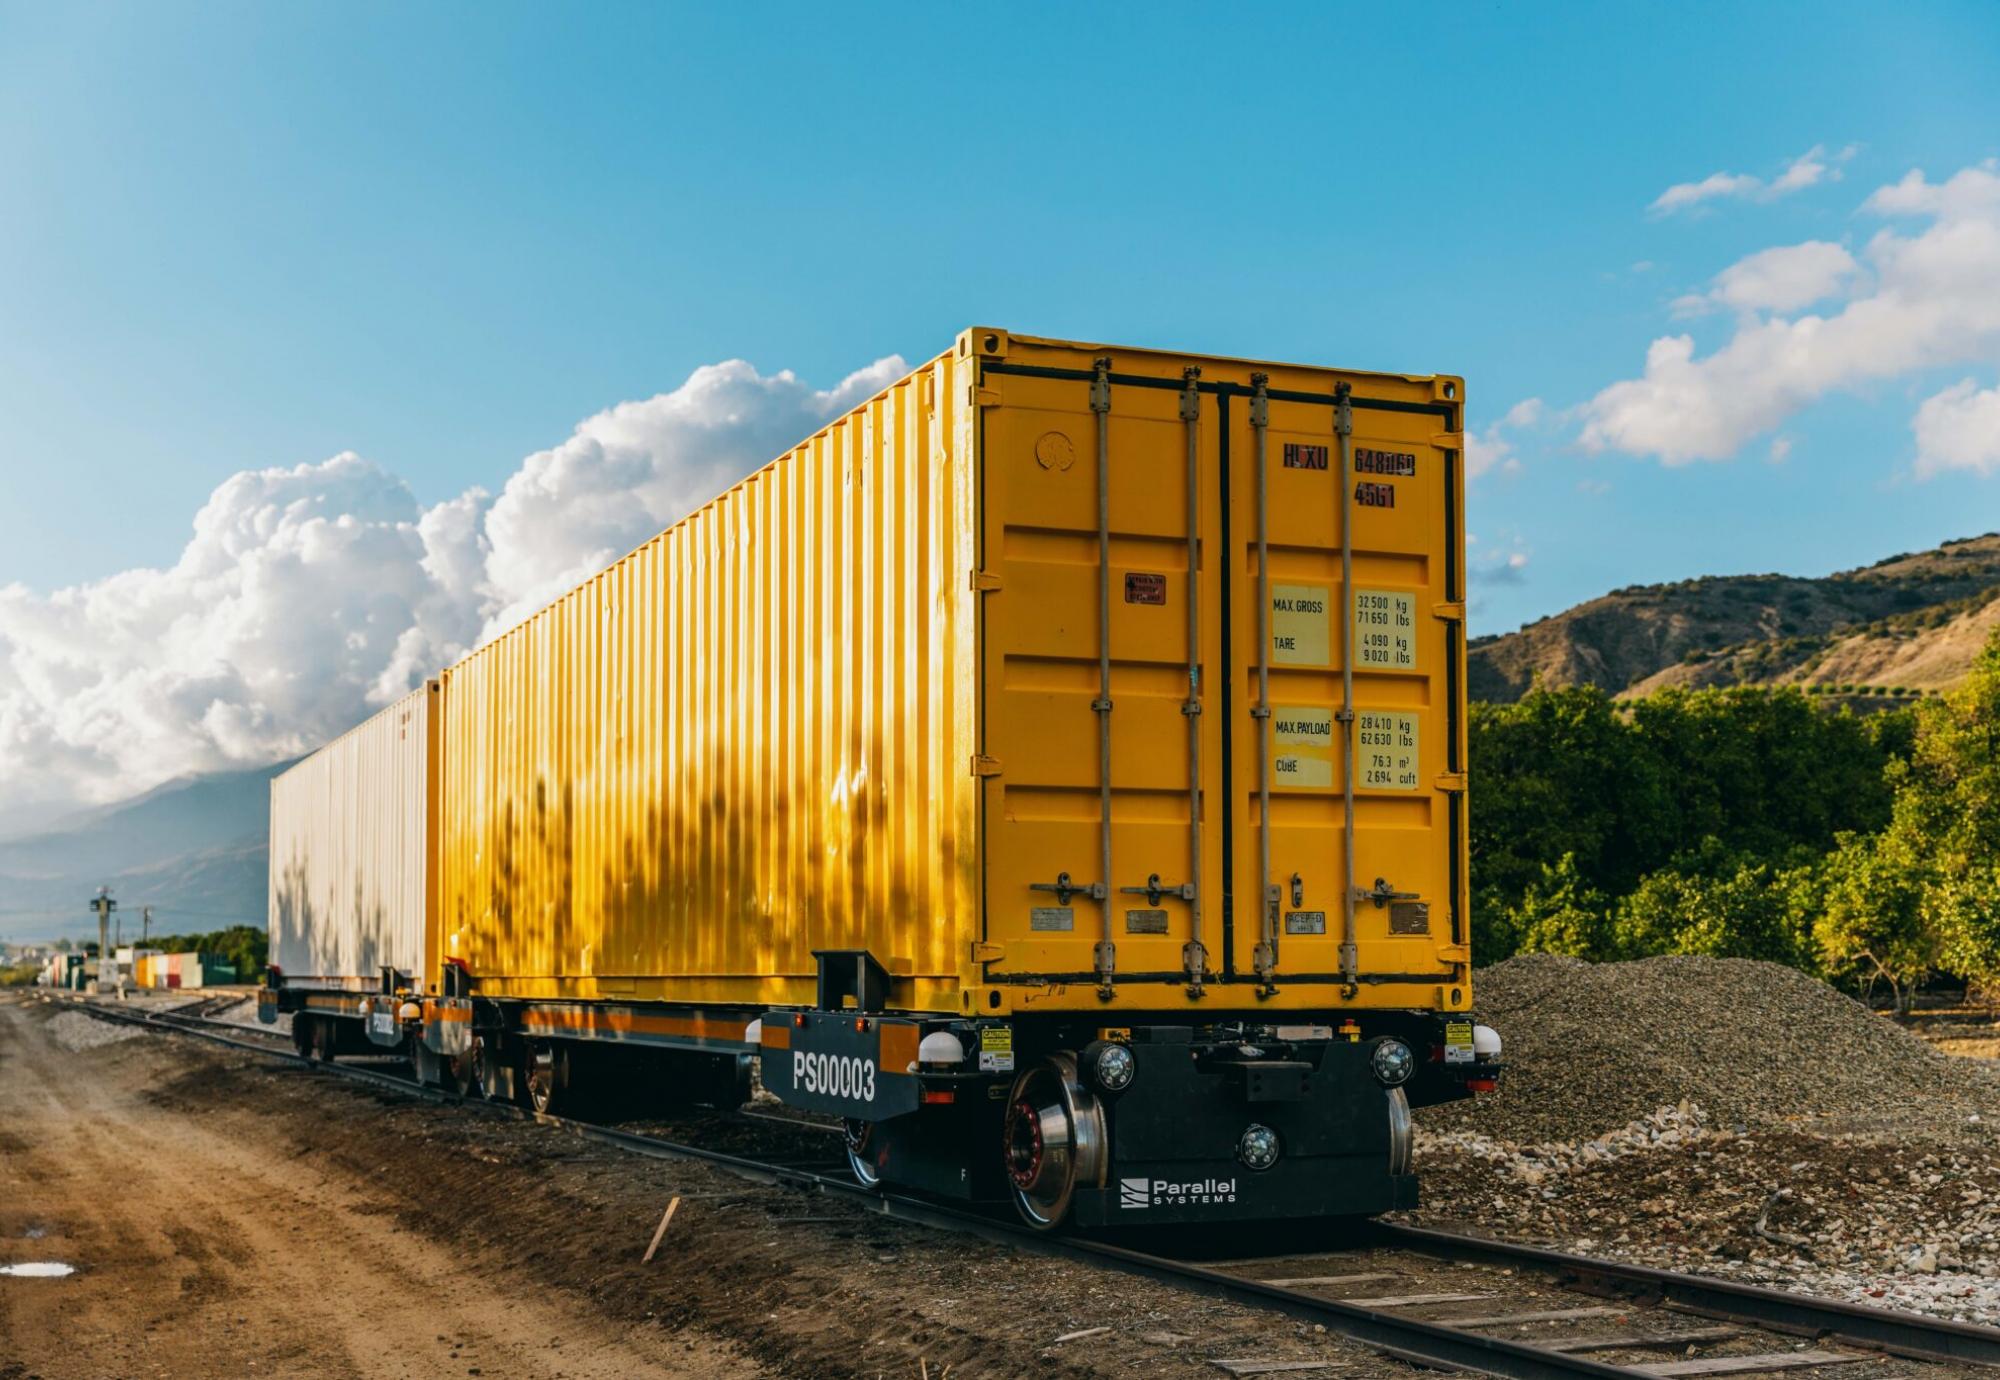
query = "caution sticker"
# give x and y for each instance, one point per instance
(1385, 747)
(1300, 624)
(1385, 629)
(996, 1048)
(1458, 1042)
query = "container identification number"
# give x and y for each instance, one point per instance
(834, 1075)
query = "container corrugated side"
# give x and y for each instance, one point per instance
(351, 869)
(747, 740)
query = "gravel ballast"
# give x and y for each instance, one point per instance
(1591, 1047)
(1732, 1118)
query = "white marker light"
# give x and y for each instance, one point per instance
(1259, 1147)
(1393, 1062)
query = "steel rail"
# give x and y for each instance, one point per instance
(1909, 1335)
(1875, 1329)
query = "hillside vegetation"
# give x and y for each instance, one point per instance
(1911, 623)
(1743, 823)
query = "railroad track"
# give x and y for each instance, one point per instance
(1627, 1321)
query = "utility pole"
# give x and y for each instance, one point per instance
(104, 905)
(145, 924)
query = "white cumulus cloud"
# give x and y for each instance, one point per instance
(307, 596)
(1959, 429)
(1917, 300)
(1784, 279)
(1492, 449)
(1807, 170)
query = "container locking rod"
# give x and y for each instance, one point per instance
(1106, 956)
(1194, 956)
(1343, 425)
(1265, 958)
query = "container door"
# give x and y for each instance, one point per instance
(1050, 904)
(1404, 643)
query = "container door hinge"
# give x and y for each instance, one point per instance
(1454, 953)
(982, 765)
(984, 581)
(985, 397)
(1452, 611)
(1449, 440)
(1452, 782)
(987, 953)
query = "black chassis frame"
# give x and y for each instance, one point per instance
(1173, 1131)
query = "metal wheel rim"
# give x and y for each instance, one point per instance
(493, 1082)
(1054, 1140)
(464, 1070)
(857, 1135)
(539, 1074)
(1402, 1141)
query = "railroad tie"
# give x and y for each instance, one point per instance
(1409, 1300)
(1544, 1315)
(1730, 1365)
(1639, 1341)
(1323, 1281)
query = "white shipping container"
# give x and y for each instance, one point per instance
(351, 882)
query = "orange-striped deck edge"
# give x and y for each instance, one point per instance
(709, 1030)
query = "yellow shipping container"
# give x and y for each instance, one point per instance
(863, 700)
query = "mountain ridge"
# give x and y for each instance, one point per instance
(1911, 622)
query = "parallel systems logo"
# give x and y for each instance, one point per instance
(1145, 1193)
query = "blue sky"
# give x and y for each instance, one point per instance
(246, 236)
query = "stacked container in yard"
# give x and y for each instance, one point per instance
(199, 970)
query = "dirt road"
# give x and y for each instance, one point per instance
(232, 1216)
(201, 1251)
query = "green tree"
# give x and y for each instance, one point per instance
(1555, 773)
(1947, 816)
(1866, 904)
(1713, 902)
(1563, 914)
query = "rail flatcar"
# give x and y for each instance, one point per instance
(1053, 768)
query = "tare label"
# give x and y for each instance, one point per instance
(1385, 629)
(1300, 624)
(1385, 747)
(1301, 746)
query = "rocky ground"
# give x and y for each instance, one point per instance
(1724, 1117)
(229, 1216)
(1730, 1117)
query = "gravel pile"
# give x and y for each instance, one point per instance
(1594, 1047)
(1905, 1225)
(77, 1032)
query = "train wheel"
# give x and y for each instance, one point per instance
(498, 1079)
(1401, 1142)
(861, 1146)
(326, 1039)
(302, 1035)
(1053, 1140)
(548, 1073)
(462, 1070)
(427, 1062)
